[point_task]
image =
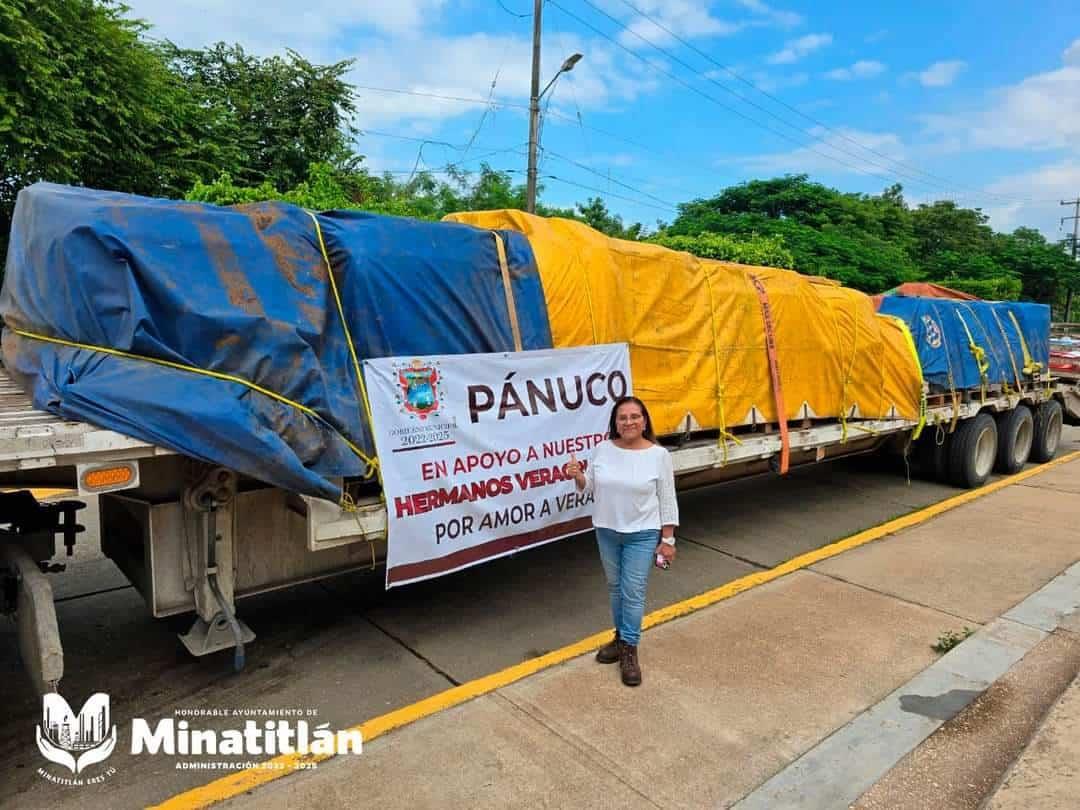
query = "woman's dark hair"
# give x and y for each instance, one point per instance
(613, 430)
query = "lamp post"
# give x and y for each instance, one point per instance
(534, 104)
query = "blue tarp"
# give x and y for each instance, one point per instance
(244, 292)
(938, 326)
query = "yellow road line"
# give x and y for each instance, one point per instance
(236, 783)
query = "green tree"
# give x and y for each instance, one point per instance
(766, 251)
(282, 113)
(945, 226)
(594, 213)
(978, 274)
(83, 99)
(858, 240)
(1045, 270)
(325, 188)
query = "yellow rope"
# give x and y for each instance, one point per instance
(979, 353)
(508, 291)
(724, 435)
(1031, 366)
(1012, 357)
(217, 375)
(909, 339)
(372, 463)
(847, 380)
(953, 393)
(588, 292)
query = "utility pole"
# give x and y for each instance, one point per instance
(534, 109)
(1075, 234)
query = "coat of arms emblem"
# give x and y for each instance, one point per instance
(419, 388)
(933, 332)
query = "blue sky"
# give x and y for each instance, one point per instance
(973, 101)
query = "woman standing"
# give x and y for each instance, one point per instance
(635, 516)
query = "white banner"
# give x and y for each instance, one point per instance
(472, 450)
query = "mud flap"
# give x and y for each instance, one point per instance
(35, 619)
(1071, 402)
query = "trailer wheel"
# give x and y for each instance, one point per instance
(1047, 431)
(931, 457)
(973, 451)
(1016, 434)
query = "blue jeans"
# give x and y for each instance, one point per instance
(627, 558)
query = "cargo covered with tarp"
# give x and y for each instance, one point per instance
(923, 289)
(234, 335)
(697, 330)
(976, 344)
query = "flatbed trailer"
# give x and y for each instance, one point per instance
(185, 557)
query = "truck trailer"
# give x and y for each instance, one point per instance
(103, 392)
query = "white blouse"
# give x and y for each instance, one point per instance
(634, 490)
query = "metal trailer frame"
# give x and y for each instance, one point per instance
(193, 538)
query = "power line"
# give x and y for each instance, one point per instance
(603, 193)
(610, 179)
(459, 99)
(618, 180)
(1075, 238)
(730, 71)
(412, 138)
(607, 175)
(715, 100)
(491, 94)
(577, 108)
(739, 113)
(513, 13)
(453, 166)
(651, 149)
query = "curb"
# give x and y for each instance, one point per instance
(964, 762)
(848, 763)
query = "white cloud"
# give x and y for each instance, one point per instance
(313, 28)
(419, 65)
(617, 159)
(819, 157)
(1072, 53)
(398, 45)
(876, 36)
(796, 49)
(1040, 112)
(1041, 190)
(863, 69)
(939, 74)
(684, 18)
(770, 83)
(783, 19)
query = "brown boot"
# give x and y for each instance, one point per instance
(628, 665)
(609, 653)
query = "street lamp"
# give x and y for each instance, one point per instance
(534, 104)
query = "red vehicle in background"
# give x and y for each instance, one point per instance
(1065, 365)
(1065, 350)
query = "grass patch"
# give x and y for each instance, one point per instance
(949, 639)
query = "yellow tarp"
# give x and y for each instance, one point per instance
(696, 330)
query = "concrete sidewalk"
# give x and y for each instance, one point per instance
(1047, 775)
(739, 697)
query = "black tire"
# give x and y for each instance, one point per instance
(932, 458)
(973, 451)
(1047, 431)
(1016, 435)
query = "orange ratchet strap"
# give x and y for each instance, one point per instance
(774, 370)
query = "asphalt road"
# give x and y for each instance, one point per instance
(348, 650)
